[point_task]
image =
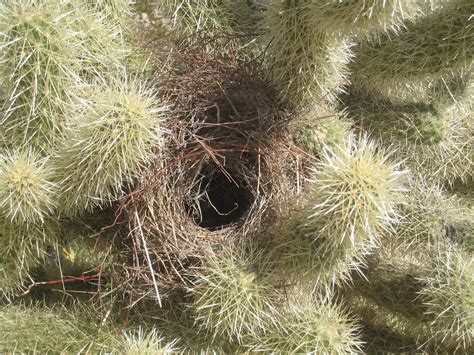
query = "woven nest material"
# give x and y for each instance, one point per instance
(228, 165)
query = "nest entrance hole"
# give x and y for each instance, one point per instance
(222, 199)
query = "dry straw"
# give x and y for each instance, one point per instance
(225, 165)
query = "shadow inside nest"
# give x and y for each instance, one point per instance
(221, 200)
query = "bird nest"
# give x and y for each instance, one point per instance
(226, 168)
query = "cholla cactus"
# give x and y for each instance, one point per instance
(48, 48)
(353, 195)
(389, 331)
(145, 342)
(14, 271)
(460, 221)
(27, 193)
(430, 216)
(412, 123)
(316, 268)
(450, 159)
(428, 53)
(77, 253)
(234, 293)
(178, 327)
(193, 16)
(387, 301)
(37, 64)
(321, 127)
(224, 18)
(422, 217)
(109, 140)
(27, 240)
(435, 138)
(103, 46)
(410, 292)
(54, 329)
(118, 11)
(365, 18)
(22, 246)
(311, 327)
(351, 204)
(310, 41)
(449, 297)
(392, 283)
(307, 64)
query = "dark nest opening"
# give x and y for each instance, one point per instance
(227, 166)
(221, 199)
